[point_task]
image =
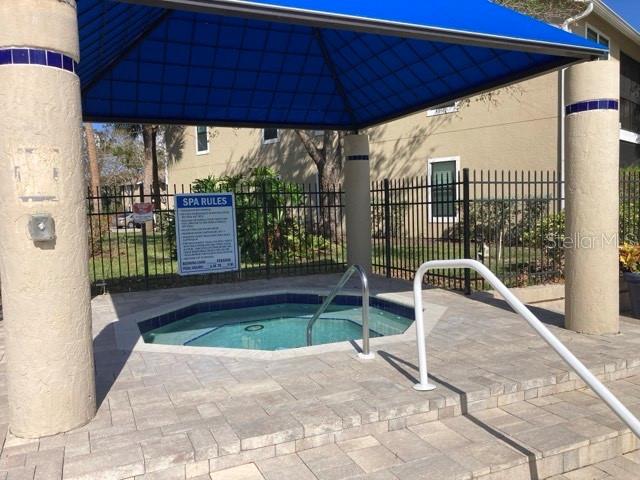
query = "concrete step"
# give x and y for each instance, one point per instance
(569, 433)
(623, 467)
(388, 406)
(448, 433)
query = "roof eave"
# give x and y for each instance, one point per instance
(248, 9)
(619, 23)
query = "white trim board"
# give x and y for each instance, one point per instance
(432, 112)
(201, 152)
(631, 137)
(431, 161)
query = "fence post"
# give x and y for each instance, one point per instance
(466, 226)
(265, 226)
(145, 253)
(387, 228)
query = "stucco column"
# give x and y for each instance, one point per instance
(357, 192)
(45, 284)
(591, 190)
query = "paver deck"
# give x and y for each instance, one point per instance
(506, 406)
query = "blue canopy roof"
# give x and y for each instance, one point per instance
(332, 64)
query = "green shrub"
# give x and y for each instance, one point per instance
(548, 232)
(500, 221)
(629, 221)
(265, 207)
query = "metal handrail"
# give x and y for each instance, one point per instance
(583, 372)
(365, 308)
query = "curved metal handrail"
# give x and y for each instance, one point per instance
(570, 359)
(365, 307)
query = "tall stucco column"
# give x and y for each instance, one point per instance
(591, 190)
(45, 283)
(357, 192)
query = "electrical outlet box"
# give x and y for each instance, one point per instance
(42, 228)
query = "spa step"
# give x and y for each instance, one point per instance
(540, 437)
(387, 403)
(492, 445)
(622, 467)
(537, 438)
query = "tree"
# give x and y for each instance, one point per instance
(151, 176)
(94, 166)
(173, 142)
(550, 11)
(149, 135)
(122, 156)
(327, 157)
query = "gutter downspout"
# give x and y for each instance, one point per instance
(561, 115)
(577, 18)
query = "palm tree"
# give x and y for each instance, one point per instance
(149, 134)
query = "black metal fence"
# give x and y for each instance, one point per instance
(630, 206)
(282, 229)
(508, 220)
(511, 221)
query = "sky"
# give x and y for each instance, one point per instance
(627, 9)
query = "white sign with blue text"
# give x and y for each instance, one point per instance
(206, 234)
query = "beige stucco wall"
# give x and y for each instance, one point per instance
(236, 150)
(513, 128)
(618, 40)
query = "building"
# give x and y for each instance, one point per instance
(514, 128)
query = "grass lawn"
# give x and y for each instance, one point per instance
(122, 258)
(514, 265)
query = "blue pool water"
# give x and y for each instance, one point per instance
(274, 327)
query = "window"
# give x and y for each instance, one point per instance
(443, 173)
(595, 36)
(450, 107)
(629, 96)
(270, 135)
(202, 140)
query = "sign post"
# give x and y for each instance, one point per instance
(206, 233)
(139, 210)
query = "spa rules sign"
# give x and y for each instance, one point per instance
(206, 234)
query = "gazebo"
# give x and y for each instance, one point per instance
(289, 64)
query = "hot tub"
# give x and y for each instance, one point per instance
(273, 322)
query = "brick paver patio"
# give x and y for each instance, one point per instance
(506, 406)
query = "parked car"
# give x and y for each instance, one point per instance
(125, 220)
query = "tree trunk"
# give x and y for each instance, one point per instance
(94, 167)
(147, 140)
(154, 164)
(328, 161)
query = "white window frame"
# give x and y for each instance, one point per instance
(270, 140)
(430, 162)
(201, 152)
(588, 27)
(432, 112)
